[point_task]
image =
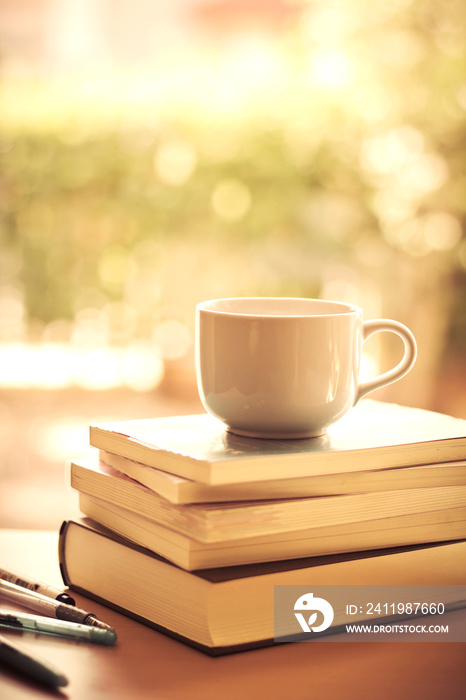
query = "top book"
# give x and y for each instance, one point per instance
(373, 435)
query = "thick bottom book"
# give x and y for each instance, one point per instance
(229, 609)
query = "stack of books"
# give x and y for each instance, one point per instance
(188, 528)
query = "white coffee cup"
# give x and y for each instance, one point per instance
(285, 367)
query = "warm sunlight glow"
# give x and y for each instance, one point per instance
(58, 366)
(164, 153)
(175, 162)
(331, 70)
(173, 339)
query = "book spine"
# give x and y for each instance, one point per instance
(61, 552)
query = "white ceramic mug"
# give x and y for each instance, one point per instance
(284, 367)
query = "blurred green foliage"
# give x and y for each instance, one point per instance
(342, 175)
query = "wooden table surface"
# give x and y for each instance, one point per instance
(146, 664)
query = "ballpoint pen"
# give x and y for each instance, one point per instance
(36, 586)
(74, 630)
(48, 607)
(31, 665)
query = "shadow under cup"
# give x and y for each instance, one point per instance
(284, 367)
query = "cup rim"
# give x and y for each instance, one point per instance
(339, 308)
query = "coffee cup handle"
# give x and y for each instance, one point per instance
(402, 368)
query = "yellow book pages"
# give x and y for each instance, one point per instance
(222, 522)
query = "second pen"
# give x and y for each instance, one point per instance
(48, 607)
